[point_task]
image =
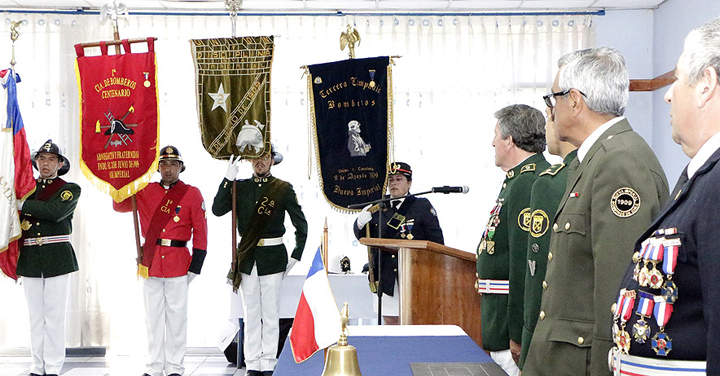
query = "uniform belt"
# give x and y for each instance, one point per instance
(269, 241)
(171, 243)
(624, 364)
(492, 286)
(46, 240)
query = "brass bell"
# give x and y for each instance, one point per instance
(341, 359)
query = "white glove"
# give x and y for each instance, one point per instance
(191, 276)
(290, 264)
(364, 217)
(233, 168)
(20, 204)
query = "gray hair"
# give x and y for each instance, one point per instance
(601, 75)
(525, 124)
(702, 50)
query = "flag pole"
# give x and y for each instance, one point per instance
(112, 13)
(234, 226)
(325, 250)
(324, 255)
(136, 226)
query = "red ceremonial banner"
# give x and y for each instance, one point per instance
(119, 125)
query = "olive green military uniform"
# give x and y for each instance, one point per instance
(547, 191)
(42, 220)
(611, 198)
(269, 259)
(501, 256)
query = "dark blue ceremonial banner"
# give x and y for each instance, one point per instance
(352, 119)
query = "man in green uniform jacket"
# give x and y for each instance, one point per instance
(501, 256)
(616, 187)
(262, 259)
(546, 194)
(47, 258)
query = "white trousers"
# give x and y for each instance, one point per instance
(261, 302)
(47, 303)
(166, 320)
(505, 361)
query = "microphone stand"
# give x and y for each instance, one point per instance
(386, 199)
(382, 203)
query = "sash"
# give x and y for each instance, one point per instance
(50, 189)
(162, 215)
(253, 233)
(42, 196)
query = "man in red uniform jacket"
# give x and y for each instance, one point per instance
(171, 212)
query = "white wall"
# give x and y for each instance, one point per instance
(672, 21)
(630, 32)
(652, 41)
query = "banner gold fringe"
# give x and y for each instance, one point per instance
(313, 125)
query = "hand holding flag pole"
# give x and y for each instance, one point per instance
(15, 169)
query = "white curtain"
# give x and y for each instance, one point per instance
(453, 74)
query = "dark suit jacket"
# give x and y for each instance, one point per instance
(421, 223)
(610, 200)
(694, 327)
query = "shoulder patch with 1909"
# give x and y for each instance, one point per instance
(625, 202)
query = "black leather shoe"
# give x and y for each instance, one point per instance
(251, 372)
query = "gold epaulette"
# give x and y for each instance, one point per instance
(554, 169)
(528, 167)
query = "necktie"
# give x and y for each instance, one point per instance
(680, 185)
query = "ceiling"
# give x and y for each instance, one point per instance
(348, 6)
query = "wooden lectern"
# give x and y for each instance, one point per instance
(436, 284)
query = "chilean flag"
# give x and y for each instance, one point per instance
(15, 173)
(317, 320)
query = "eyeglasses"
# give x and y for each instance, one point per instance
(550, 100)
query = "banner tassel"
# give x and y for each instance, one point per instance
(143, 271)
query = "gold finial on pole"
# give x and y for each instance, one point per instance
(14, 34)
(112, 13)
(233, 6)
(348, 38)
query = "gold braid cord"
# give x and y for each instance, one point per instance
(311, 121)
(390, 117)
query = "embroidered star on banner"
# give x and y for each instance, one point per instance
(220, 98)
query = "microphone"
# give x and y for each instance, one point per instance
(445, 189)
